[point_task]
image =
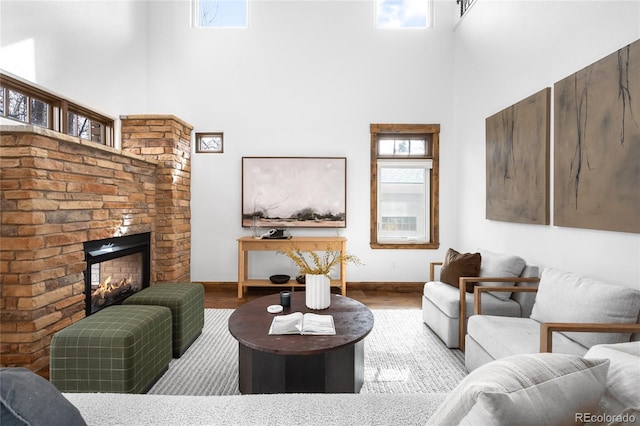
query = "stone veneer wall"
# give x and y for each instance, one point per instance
(166, 139)
(57, 193)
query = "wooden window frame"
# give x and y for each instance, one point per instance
(58, 109)
(433, 152)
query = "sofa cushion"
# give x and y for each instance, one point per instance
(28, 399)
(532, 389)
(622, 395)
(526, 299)
(447, 298)
(504, 336)
(567, 297)
(500, 265)
(458, 265)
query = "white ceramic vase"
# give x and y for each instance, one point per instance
(318, 291)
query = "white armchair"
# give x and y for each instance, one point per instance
(443, 304)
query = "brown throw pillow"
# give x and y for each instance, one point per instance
(458, 265)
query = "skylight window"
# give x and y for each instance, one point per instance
(221, 13)
(403, 13)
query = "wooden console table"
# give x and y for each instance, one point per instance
(247, 244)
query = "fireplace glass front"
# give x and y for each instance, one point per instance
(116, 269)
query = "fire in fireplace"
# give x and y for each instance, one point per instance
(116, 268)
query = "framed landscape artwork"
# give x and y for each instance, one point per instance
(517, 169)
(597, 144)
(291, 192)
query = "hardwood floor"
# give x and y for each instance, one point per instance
(375, 296)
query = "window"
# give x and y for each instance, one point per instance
(84, 127)
(403, 13)
(220, 13)
(28, 104)
(209, 142)
(22, 107)
(404, 186)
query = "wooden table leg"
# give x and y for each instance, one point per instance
(241, 268)
(343, 269)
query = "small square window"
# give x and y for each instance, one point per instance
(209, 142)
(387, 147)
(78, 125)
(39, 113)
(18, 106)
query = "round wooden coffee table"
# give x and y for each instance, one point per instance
(296, 363)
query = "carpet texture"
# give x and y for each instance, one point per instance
(402, 356)
(112, 409)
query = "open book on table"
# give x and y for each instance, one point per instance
(299, 323)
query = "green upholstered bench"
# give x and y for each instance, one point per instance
(122, 349)
(186, 301)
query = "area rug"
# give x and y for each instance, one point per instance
(402, 355)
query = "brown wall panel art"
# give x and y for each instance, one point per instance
(597, 144)
(518, 161)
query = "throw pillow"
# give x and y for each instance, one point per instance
(500, 265)
(622, 395)
(458, 265)
(28, 399)
(526, 389)
(567, 297)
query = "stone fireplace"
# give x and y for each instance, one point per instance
(59, 192)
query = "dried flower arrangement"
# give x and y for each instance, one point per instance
(310, 262)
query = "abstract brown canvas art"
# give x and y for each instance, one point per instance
(597, 144)
(518, 161)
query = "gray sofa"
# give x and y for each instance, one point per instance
(566, 306)
(441, 306)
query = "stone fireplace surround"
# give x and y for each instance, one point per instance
(59, 192)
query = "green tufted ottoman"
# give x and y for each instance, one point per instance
(186, 301)
(122, 349)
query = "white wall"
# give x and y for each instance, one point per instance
(306, 79)
(504, 52)
(91, 52)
